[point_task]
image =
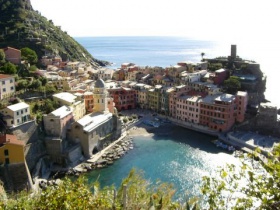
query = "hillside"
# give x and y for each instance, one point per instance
(21, 26)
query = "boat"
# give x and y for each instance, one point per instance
(151, 123)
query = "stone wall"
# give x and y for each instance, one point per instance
(16, 177)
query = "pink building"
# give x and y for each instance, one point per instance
(188, 108)
(13, 55)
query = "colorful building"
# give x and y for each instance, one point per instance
(89, 101)
(11, 149)
(218, 112)
(124, 98)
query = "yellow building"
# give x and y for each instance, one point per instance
(11, 150)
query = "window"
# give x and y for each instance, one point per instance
(6, 152)
(12, 88)
(3, 82)
(11, 81)
(4, 89)
(17, 113)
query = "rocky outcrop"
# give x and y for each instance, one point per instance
(265, 122)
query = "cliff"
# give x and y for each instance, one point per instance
(21, 26)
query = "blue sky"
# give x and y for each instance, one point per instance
(216, 19)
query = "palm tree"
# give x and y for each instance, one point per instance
(202, 54)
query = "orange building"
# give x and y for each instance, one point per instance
(89, 101)
(124, 98)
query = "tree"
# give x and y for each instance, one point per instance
(9, 68)
(214, 66)
(36, 84)
(232, 85)
(261, 191)
(202, 54)
(29, 55)
(2, 56)
(22, 84)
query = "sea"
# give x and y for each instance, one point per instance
(183, 157)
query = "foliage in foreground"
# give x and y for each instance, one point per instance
(250, 186)
(235, 188)
(134, 193)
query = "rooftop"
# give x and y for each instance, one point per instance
(65, 96)
(62, 111)
(12, 139)
(91, 121)
(4, 76)
(18, 106)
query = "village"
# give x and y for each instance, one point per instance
(91, 106)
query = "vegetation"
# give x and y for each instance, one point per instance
(23, 27)
(29, 55)
(228, 191)
(261, 190)
(214, 66)
(2, 56)
(8, 68)
(232, 85)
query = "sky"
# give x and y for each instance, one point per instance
(203, 19)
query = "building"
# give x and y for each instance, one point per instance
(124, 98)
(154, 98)
(16, 114)
(218, 112)
(13, 55)
(57, 122)
(241, 104)
(7, 86)
(187, 108)
(12, 155)
(71, 100)
(91, 132)
(11, 149)
(220, 76)
(94, 129)
(88, 96)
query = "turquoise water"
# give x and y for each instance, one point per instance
(182, 158)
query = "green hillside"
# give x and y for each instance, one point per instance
(21, 26)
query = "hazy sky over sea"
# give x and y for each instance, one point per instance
(216, 19)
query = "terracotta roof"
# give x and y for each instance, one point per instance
(11, 48)
(12, 139)
(3, 76)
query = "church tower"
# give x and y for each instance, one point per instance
(100, 95)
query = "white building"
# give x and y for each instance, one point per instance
(7, 86)
(76, 102)
(16, 114)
